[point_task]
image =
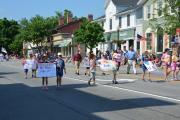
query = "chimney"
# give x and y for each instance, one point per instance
(61, 21)
(90, 17)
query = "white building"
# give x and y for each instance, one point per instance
(119, 23)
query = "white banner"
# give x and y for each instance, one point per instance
(86, 62)
(46, 70)
(107, 65)
(150, 66)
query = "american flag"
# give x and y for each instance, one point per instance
(139, 37)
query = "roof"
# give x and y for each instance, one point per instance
(99, 18)
(129, 3)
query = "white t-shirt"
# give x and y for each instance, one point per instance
(32, 64)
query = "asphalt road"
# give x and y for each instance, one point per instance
(132, 99)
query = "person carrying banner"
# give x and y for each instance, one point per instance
(92, 68)
(60, 68)
(145, 58)
(44, 79)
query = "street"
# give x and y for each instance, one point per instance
(131, 99)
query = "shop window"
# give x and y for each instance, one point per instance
(149, 41)
(120, 22)
(128, 20)
(148, 11)
(110, 24)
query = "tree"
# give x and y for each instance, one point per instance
(37, 29)
(90, 34)
(171, 17)
(17, 45)
(8, 30)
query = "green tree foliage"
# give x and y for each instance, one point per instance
(172, 15)
(90, 34)
(17, 45)
(37, 29)
(8, 30)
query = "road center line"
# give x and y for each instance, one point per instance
(130, 90)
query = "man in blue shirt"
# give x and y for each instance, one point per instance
(131, 56)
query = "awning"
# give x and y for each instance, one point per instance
(64, 43)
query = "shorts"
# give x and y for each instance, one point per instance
(59, 73)
(93, 74)
(25, 70)
(174, 66)
(143, 68)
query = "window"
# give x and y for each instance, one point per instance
(102, 23)
(148, 11)
(110, 24)
(160, 7)
(149, 41)
(120, 22)
(128, 20)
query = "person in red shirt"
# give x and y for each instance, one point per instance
(77, 60)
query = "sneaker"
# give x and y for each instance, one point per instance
(115, 82)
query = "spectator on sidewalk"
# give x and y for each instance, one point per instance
(77, 60)
(131, 57)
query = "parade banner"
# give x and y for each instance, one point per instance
(46, 70)
(86, 62)
(150, 66)
(107, 65)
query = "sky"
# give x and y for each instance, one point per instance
(18, 9)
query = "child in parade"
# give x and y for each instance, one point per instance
(44, 79)
(86, 64)
(25, 66)
(114, 70)
(60, 68)
(145, 58)
(92, 69)
(33, 63)
(174, 65)
(166, 63)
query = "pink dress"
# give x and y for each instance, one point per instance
(166, 58)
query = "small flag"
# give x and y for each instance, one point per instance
(139, 37)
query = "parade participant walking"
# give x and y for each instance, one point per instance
(119, 58)
(33, 64)
(166, 63)
(86, 63)
(131, 57)
(114, 70)
(77, 60)
(92, 68)
(44, 79)
(145, 58)
(1, 57)
(174, 65)
(25, 66)
(60, 68)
